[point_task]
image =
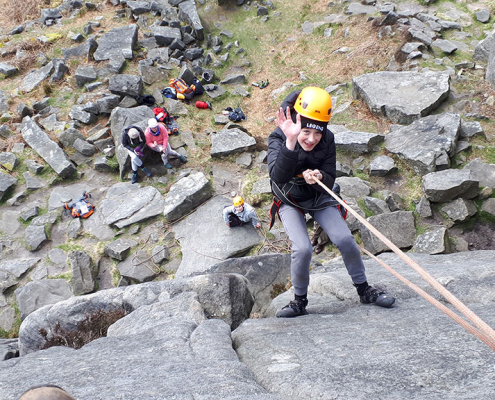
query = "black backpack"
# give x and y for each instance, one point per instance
(198, 87)
(237, 115)
(147, 100)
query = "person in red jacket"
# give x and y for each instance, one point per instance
(157, 140)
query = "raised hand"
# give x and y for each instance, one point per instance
(290, 129)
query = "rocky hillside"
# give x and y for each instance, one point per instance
(155, 271)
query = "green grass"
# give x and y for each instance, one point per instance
(349, 120)
(113, 163)
(66, 275)
(115, 274)
(254, 199)
(7, 195)
(362, 205)
(483, 217)
(68, 247)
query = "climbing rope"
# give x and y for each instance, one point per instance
(485, 331)
(471, 329)
(155, 268)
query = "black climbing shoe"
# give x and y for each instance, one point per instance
(381, 299)
(294, 309)
(134, 177)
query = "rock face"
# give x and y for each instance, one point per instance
(185, 195)
(482, 172)
(357, 142)
(222, 296)
(47, 148)
(38, 294)
(6, 182)
(443, 186)
(200, 251)
(428, 143)
(175, 323)
(117, 44)
(126, 204)
(230, 141)
(397, 227)
(184, 335)
(266, 273)
(402, 97)
(121, 118)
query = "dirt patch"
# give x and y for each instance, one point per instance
(480, 236)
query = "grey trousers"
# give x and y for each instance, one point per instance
(338, 232)
(166, 153)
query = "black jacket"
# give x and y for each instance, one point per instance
(133, 144)
(285, 164)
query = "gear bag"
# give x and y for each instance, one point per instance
(80, 208)
(198, 87)
(182, 87)
(237, 115)
(162, 115)
(169, 93)
(147, 99)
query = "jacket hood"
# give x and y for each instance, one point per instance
(289, 101)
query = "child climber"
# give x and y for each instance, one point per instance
(240, 213)
(301, 150)
(134, 142)
(157, 140)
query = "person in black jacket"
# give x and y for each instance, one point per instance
(301, 149)
(134, 141)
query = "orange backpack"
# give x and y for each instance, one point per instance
(182, 87)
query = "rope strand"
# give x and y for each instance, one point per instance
(471, 329)
(483, 326)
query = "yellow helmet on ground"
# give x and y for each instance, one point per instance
(238, 201)
(314, 103)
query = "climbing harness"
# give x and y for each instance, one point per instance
(483, 331)
(283, 195)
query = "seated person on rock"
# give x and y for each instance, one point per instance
(134, 141)
(240, 213)
(157, 140)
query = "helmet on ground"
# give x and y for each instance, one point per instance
(238, 201)
(133, 133)
(314, 103)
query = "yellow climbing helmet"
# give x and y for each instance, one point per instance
(238, 201)
(314, 103)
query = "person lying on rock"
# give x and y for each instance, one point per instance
(157, 140)
(134, 141)
(240, 213)
(301, 149)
